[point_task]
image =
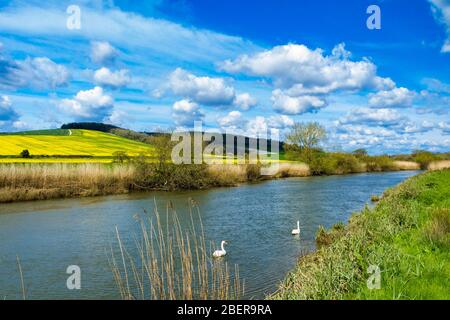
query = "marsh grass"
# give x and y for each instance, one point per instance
(437, 230)
(170, 262)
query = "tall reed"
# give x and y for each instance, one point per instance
(45, 181)
(172, 263)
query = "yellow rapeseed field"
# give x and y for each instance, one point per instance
(78, 142)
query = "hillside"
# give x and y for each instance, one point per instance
(73, 142)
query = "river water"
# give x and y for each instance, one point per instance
(256, 219)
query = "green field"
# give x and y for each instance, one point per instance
(67, 143)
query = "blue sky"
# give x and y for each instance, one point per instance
(240, 66)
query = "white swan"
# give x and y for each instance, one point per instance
(222, 252)
(296, 231)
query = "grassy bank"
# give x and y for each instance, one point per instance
(406, 235)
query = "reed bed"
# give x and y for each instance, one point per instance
(292, 169)
(45, 181)
(439, 165)
(172, 263)
(228, 174)
(406, 165)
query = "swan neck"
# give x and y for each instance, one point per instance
(222, 245)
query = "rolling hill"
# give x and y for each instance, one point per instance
(69, 142)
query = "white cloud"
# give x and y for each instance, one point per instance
(280, 121)
(185, 112)
(445, 127)
(302, 77)
(362, 130)
(9, 118)
(245, 101)
(93, 104)
(156, 37)
(296, 105)
(441, 10)
(232, 119)
(436, 85)
(412, 127)
(203, 90)
(375, 117)
(7, 113)
(257, 126)
(102, 52)
(41, 73)
(119, 118)
(306, 71)
(395, 98)
(108, 78)
(433, 102)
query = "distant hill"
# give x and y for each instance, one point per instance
(142, 136)
(102, 127)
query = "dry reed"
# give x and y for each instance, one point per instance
(20, 182)
(406, 165)
(171, 263)
(439, 165)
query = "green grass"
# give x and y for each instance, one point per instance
(406, 235)
(62, 143)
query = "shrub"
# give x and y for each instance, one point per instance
(346, 163)
(253, 172)
(25, 154)
(380, 163)
(120, 157)
(424, 158)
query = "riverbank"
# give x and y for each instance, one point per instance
(27, 182)
(406, 237)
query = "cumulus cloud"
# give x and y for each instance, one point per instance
(296, 105)
(93, 104)
(40, 73)
(203, 90)
(112, 79)
(257, 126)
(261, 126)
(102, 52)
(245, 101)
(307, 71)
(280, 122)
(119, 118)
(395, 98)
(185, 112)
(302, 77)
(441, 10)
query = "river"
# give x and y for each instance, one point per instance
(256, 219)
